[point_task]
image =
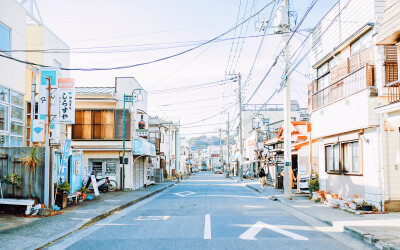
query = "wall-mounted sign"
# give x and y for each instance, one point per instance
(48, 75)
(66, 100)
(214, 155)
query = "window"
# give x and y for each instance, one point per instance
(3, 118)
(5, 39)
(3, 140)
(332, 158)
(361, 43)
(100, 125)
(17, 128)
(17, 113)
(343, 158)
(4, 95)
(97, 167)
(293, 119)
(16, 141)
(323, 69)
(111, 167)
(17, 99)
(350, 157)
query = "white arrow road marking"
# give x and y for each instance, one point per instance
(252, 232)
(207, 227)
(185, 193)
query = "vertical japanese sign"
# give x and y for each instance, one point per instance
(66, 97)
(64, 160)
(45, 74)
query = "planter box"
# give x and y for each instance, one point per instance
(367, 208)
(61, 200)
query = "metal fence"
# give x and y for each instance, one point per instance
(10, 163)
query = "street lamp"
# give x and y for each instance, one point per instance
(129, 99)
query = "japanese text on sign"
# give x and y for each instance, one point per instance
(66, 97)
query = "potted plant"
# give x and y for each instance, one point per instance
(31, 158)
(14, 180)
(313, 186)
(84, 192)
(366, 206)
(62, 194)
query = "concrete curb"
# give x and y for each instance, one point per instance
(354, 232)
(105, 215)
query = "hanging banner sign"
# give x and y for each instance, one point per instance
(64, 160)
(66, 97)
(48, 75)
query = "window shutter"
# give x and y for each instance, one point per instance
(119, 117)
(391, 53)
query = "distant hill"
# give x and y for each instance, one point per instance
(204, 141)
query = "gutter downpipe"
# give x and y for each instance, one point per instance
(388, 160)
(382, 172)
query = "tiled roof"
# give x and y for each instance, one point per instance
(95, 90)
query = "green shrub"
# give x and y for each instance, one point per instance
(313, 185)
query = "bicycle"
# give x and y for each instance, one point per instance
(104, 184)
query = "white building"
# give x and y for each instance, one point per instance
(348, 85)
(22, 29)
(166, 134)
(98, 133)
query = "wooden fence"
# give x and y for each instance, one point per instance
(10, 163)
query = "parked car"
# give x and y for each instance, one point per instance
(218, 170)
(303, 183)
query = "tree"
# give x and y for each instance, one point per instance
(31, 158)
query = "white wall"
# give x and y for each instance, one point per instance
(12, 73)
(352, 18)
(352, 113)
(126, 85)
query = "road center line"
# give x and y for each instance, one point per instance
(207, 227)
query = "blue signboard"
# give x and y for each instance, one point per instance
(193, 148)
(64, 160)
(143, 147)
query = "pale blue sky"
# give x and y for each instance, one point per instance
(92, 23)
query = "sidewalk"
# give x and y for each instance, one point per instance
(379, 230)
(32, 233)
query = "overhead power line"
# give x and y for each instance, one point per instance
(197, 100)
(187, 88)
(148, 62)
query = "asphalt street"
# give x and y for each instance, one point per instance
(208, 211)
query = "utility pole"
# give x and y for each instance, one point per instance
(240, 129)
(221, 158)
(287, 106)
(228, 144)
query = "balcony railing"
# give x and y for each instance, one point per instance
(394, 91)
(356, 81)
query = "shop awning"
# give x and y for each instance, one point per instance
(143, 147)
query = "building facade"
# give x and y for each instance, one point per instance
(348, 84)
(99, 132)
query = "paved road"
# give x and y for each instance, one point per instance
(208, 211)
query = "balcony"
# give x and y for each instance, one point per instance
(354, 82)
(351, 76)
